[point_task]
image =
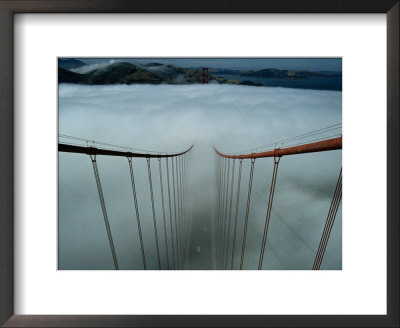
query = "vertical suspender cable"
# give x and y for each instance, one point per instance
(184, 196)
(176, 224)
(247, 212)
(327, 231)
(178, 193)
(182, 203)
(186, 189)
(170, 216)
(223, 206)
(329, 223)
(177, 209)
(230, 218)
(221, 168)
(163, 211)
(137, 211)
(218, 191)
(222, 201)
(219, 199)
(221, 221)
(218, 196)
(226, 214)
(103, 208)
(154, 213)
(271, 198)
(236, 212)
(178, 205)
(181, 189)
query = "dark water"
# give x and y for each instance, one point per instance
(329, 83)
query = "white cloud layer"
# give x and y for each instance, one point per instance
(170, 118)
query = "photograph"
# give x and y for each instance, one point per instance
(199, 163)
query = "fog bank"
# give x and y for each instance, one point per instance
(170, 118)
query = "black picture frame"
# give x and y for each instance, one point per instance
(10, 7)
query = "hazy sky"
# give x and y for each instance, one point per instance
(170, 118)
(311, 64)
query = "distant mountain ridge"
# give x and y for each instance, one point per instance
(155, 73)
(128, 73)
(274, 73)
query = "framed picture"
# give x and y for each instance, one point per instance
(170, 131)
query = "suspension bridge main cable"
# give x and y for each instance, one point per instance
(137, 212)
(269, 207)
(298, 137)
(247, 212)
(236, 212)
(163, 212)
(93, 142)
(93, 150)
(323, 145)
(317, 146)
(104, 210)
(154, 213)
(143, 152)
(329, 223)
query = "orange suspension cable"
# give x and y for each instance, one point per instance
(330, 144)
